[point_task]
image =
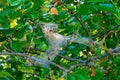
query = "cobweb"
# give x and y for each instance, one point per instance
(57, 41)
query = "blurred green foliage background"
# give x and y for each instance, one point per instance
(95, 19)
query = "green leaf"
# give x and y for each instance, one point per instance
(34, 14)
(1, 67)
(16, 14)
(2, 38)
(3, 74)
(16, 46)
(14, 2)
(71, 77)
(86, 9)
(75, 51)
(97, 19)
(116, 60)
(62, 15)
(35, 78)
(37, 4)
(4, 27)
(81, 74)
(117, 21)
(44, 71)
(97, 0)
(81, 77)
(106, 7)
(70, 7)
(5, 13)
(85, 17)
(99, 74)
(98, 51)
(28, 4)
(19, 34)
(118, 78)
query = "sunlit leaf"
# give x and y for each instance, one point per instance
(14, 2)
(13, 23)
(3, 74)
(70, 7)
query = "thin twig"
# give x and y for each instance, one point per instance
(30, 45)
(82, 24)
(15, 54)
(115, 50)
(72, 59)
(58, 66)
(105, 32)
(77, 18)
(35, 49)
(112, 52)
(74, 66)
(31, 73)
(32, 58)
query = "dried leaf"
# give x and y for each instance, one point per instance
(93, 72)
(53, 11)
